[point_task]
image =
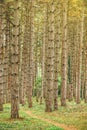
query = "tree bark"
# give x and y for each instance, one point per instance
(64, 55)
(50, 59)
(15, 62)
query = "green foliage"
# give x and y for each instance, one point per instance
(6, 126)
(59, 85)
(73, 114)
(69, 66)
(24, 123)
(37, 84)
(54, 128)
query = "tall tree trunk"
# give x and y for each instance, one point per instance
(64, 54)
(15, 62)
(86, 77)
(84, 64)
(56, 56)
(25, 52)
(50, 59)
(46, 47)
(7, 41)
(31, 63)
(80, 58)
(1, 60)
(43, 60)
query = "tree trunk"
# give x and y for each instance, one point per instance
(86, 79)
(64, 55)
(50, 59)
(56, 56)
(15, 62)
(1, 60)
(80, 58)
(31, 63)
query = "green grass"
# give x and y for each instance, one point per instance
(72, 114)
(24, 123)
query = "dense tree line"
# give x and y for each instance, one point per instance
(43, 50)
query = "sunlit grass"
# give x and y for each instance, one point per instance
(72, 114)
(24, 123)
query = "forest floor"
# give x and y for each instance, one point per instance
(72, 117)
(25, 122)
(65, 127)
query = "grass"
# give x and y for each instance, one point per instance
(24, 123)
(73, 114)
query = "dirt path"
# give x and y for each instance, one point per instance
(65, 127)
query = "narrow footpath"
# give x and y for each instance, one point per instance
(65, 127)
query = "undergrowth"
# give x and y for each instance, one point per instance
(23, 123)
